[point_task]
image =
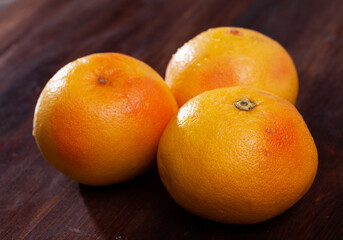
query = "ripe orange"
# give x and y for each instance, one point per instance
(227, 56)
(99, 119)
(237, 155)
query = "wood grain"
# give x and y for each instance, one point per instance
(38, 37)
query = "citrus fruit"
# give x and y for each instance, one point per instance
(237, 155)
(99, 119)
(228, 56)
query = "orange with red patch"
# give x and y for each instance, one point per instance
(227, 56)
(99, 119)
(237, 155)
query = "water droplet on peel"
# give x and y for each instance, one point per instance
(184, 55)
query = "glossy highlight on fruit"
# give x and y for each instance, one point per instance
(230, 56)
(237, 155)
(99, 119)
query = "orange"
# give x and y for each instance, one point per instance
(237, 155)
(99, 119)
(227, 56)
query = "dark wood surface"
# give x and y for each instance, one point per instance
(37, 37)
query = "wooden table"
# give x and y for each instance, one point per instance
(37, 37)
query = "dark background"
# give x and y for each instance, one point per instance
(37, 37)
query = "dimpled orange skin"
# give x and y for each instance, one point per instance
(234, 166)
(99, 119)
(227, 56)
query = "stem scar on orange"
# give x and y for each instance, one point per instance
(99, 119)
(237, 155)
